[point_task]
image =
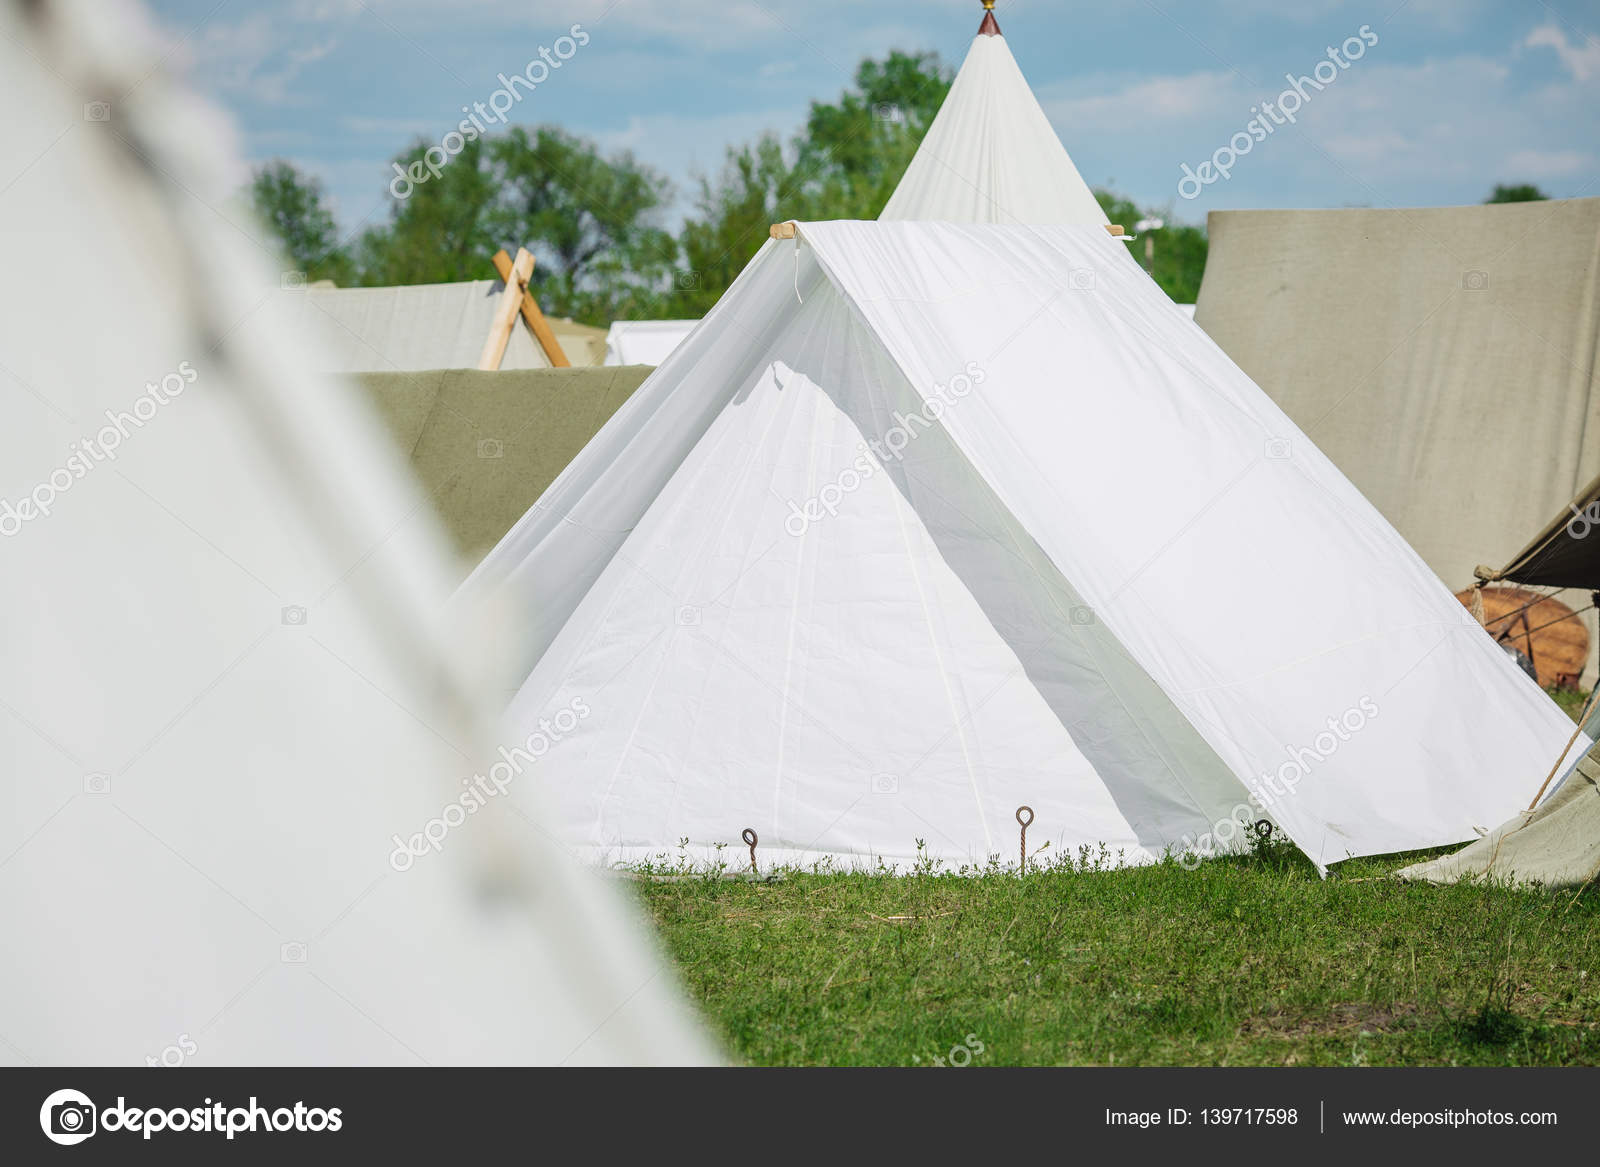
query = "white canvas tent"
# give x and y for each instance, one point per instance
(990, 156)
(227, 690)
(645, 342)
(927, 521)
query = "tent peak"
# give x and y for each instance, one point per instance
(990, 26)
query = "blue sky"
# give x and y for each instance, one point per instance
(1454, 96)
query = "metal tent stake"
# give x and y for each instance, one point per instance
(1022, 867)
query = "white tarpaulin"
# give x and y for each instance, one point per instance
(928, 521)
(225, 692)
(645, 342)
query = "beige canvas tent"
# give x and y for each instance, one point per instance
(1556, 841)
(1444, 358)
(485, 445)
(419, 326)
(1556, 845)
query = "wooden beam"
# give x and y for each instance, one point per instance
(505, 312)
(534, 318)
(1115, 228)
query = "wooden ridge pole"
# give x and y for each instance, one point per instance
(537, 324)
(505, 312)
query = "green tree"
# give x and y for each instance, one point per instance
(844, 164)
(291, 206)
(757, 187)
(853, 153)
(1521, 193)
(593, 222)
(442, 230)
(1179, 250)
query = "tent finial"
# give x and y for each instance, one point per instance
(989, 27)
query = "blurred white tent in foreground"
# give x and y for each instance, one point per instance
(222, 687)
(930, 520)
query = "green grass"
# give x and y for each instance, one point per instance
(1248, 960)
(1245, 961)
(1570, 700)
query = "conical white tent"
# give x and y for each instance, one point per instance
(991, 155)
(928, 521)
(224, 689)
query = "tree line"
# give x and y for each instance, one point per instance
(595, 221)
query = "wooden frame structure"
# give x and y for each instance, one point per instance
(517, 298)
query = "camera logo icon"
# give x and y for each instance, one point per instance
(1475, 281)
(1278, 449)
(67, 1117)
(688, 280)
(1081, 279)
(294, 614)
(491, 448)
(1081, 615)
(887, 111)
(97, 783)
(688, 616)
(97, 111)
(292, 952)
(292, 281)
(885, 784)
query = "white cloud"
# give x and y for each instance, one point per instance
(1581, 59)
(685, 147)
(1548, 164)
(1194, 98)
(258, 58)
